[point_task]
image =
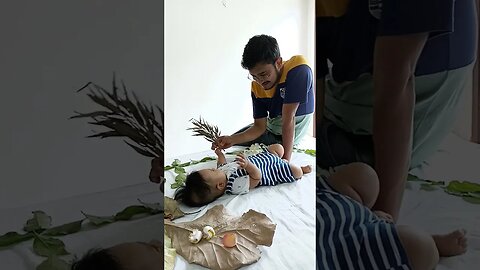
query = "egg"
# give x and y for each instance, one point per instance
(195, 236)
(208, 232)
(229, 240)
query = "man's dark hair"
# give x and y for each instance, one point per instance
(260, 49)
(195, 192)
(97, 259)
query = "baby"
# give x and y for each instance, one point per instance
(238, 177)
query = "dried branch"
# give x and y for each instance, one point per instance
(203, 128)
(126, 118)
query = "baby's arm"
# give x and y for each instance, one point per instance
(253, 171)
(357, 181)
(220, 157)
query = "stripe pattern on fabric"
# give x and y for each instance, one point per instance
(350, 236)
(273, 169)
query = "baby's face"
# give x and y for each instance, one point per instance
(139, 256)
(213, 177)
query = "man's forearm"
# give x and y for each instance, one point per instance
(250, 134)
(288, 134)
(394, 99)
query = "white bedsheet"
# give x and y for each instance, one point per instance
(291, 206)
(21, 256)
(438, 212)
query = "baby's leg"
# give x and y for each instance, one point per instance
(358, 181)
(423, 250)
(276, 149)
(298, 172)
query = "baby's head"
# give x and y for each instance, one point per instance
(202, 187)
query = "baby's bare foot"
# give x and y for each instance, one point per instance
(454, 243)
(307, 169)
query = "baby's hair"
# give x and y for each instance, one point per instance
(195, 192)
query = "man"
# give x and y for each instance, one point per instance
(282, 97)
(396, 72)
(131, 256)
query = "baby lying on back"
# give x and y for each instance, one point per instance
(238, 177)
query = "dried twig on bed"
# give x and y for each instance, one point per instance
(203, 128)
(124, 117)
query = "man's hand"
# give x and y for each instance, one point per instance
(157, 172)
(242, 161)
(222, 142)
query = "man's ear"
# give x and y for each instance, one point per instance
(278, 62)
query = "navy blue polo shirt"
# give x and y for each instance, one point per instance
(348, 41)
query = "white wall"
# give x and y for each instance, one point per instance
(204, 41)
(49, 49)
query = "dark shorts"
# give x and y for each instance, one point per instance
(337, 147)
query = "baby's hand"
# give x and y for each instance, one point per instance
(242, 161)
(385, 216)
(218, 151)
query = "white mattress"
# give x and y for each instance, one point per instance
(290, 206)
(439, 212)
(21, 256)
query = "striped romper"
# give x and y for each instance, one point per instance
(351, 236)
(274, 171)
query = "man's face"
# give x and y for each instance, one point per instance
(139, 256)
(267, 75)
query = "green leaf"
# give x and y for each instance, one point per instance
(65, 229)
(472, 200)
(98, 220)
(53, 263)
(464, 186)
(207, 159)
(131, 211)
(427, 187)
(179, 170)
(176, 162)
(311, 152)
(154, 207)
(40, 221)
(46, 246)
(11, 238)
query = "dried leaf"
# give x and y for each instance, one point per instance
(54, 263)
(252, 229)
(46, 246)
(169, 253)
(172, 211)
